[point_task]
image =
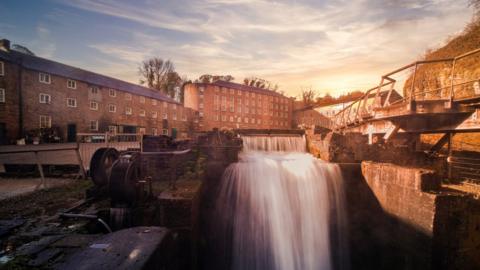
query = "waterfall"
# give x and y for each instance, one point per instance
(269, 143)
(281, 208)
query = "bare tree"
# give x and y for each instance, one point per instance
(158, 74)
(308, 96)
(208, 78)
(260, 83)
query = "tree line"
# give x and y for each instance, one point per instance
(160, 75)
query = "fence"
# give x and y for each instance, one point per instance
(88, 143)
(464, 167)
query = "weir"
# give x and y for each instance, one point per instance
(281, 208)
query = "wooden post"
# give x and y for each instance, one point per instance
(80, 162)
(43, 183)
(449, 163)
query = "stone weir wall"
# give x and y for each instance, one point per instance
(401, 218)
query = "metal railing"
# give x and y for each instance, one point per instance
(88, 143)
(360, 110)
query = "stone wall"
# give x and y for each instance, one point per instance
(354, 147)
(401, 218)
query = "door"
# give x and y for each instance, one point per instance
(71, 132)
(3, 134)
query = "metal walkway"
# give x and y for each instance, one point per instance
(453, 108)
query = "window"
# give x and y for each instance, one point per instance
(200, 114)
(128, 96)
(174, 116)
(128, 111)
(142, 130)
(45, 98)
(239, 92)
(112, 92)
(2, 69)
(154, 102)
(184, 117)
(2, 95)
(93, 106)
(216, 103)
(94, 125)
(165, 116)
(200, 105)
(154, 131)
(142, 99)
(112, 129)
(202, 89)
(94, 90)
(239, 120)
(231, 118)
(224, 103)
(112, 108)
(44, 78)
(216, 117)
(224, 118)
(246, 120)
(154, 114)
(71, 84)
(232, 91)
(45, 121)
(165, 105)
(164, 131)
(142, 113)
(71, 102)
(174, 106)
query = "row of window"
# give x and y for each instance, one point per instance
(94, 90)
(46, 122)
(2, 69)
(250, 110)
(216, 101)
(224, 90)
(72, 103)
(248, 120)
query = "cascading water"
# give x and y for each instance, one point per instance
(281, 208)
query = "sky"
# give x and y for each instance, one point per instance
(330, 46)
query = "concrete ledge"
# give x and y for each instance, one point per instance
(411, 178)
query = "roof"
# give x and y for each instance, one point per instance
(59, 69)
(243, 87)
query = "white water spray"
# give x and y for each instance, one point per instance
(276, 204)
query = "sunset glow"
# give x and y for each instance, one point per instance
(331, 46)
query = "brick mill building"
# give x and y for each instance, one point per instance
(230, 105)
(38, 93)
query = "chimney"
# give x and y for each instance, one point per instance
(5, 45)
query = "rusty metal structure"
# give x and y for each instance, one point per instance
(123, 174)
(447, 110)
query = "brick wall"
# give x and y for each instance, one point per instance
(275, 117)
(9, 109)
(81, 115)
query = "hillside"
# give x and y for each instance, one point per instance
(438, 76)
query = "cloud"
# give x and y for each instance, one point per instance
(326, 44)
(43, 42)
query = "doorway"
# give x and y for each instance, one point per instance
(72, 132)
